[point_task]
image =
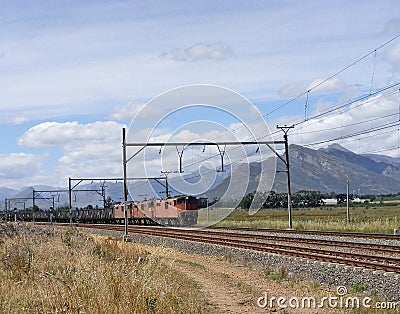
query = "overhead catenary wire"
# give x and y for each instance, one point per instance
(347, 125)
(336, 74)
(319, 115)
(346, 106)
(366, 131)
(267, 114)
(369, 136)
(363, 97)
(362, 101)
(386, 149)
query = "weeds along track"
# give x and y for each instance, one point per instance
(385, 257)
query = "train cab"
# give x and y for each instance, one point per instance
(186, 202)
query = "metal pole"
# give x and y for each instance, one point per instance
(125, 180)
(285, 130)
(70, 200)
(222, 153)
(166, 186)
(347, 201)
(166, 173)
(103, 193)
(33, 205)
(289, 196)
(5, 209)
(208, 212)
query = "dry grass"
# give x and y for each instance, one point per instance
(70, 272)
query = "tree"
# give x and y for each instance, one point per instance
(108, 203)
(246, 201)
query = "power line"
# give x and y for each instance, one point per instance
(353, 101)
(347, 125)
(334, 75)
(374, 51)
(369, 136)
(343, 105)
(385, 126)
(319, 115)
(381, 150)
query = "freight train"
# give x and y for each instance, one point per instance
(172, 211)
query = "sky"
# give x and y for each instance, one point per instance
(74, 73)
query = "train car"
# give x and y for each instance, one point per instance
(135, 216)
(173, 211)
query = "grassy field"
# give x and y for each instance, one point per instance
(372, 218)
(45, 271)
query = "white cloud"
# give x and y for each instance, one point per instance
(54, 133)
(321, 86)
(316, 86)
(92, 149)
(20, 119)
(131, 110)
(199, 52)
(292, 90)
(208, 52)
(18, 165)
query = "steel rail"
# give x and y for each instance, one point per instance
(354, 259)
(378, 236)
(384, 248)
(229, 237)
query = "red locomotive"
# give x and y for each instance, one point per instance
(172, 211)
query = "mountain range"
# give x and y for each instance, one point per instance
(327, 169)
(324, 170)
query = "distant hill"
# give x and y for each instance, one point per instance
(383, 158)
(6, 192)
(326, 170)
(380, 164)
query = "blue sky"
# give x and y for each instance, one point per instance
(73, 73)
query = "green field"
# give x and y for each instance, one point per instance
(372, 218)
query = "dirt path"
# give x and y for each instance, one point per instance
(232, 287)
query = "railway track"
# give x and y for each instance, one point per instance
(376, 236)
(340, 252)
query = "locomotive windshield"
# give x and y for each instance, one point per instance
(192, 200)
(187, 200)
